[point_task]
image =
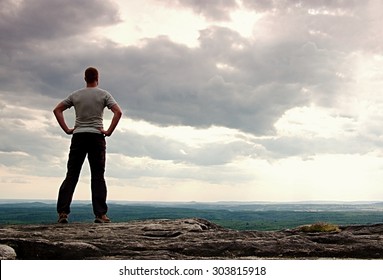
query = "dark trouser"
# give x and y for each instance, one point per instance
(93, 145)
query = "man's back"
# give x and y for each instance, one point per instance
(89, 104)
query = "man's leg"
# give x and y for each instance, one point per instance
(96, 157)
(76, 158)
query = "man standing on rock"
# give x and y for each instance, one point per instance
(88, 139)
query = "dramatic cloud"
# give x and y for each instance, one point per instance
(26, 22)
(38, 38)
(257, 89)
(213, 9)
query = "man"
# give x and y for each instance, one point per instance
(88, 139)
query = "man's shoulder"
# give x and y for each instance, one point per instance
(86, 90)
(78, 91)
(97, 90)
(103, 90)
(89, 94)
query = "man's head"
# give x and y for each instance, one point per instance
(91, 75)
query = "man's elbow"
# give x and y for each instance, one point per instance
(59, 108)
(56, 111)
(117, 111)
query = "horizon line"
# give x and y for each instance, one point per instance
(31, 200)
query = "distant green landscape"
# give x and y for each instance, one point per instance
(238, 216)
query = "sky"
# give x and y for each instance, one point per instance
(232, 100)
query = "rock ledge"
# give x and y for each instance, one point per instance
(184, 239)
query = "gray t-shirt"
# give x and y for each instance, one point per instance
(89, 104)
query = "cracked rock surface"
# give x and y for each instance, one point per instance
(184, 239)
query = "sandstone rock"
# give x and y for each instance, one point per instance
(7, 253)
(187, 239)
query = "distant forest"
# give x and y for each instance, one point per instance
(239, 216)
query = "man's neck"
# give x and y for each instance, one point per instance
(92, 85)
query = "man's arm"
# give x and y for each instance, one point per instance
(117, 113)
(58, 112)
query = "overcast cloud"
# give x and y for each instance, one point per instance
(230, 110)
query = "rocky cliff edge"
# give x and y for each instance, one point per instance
(185, 239)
